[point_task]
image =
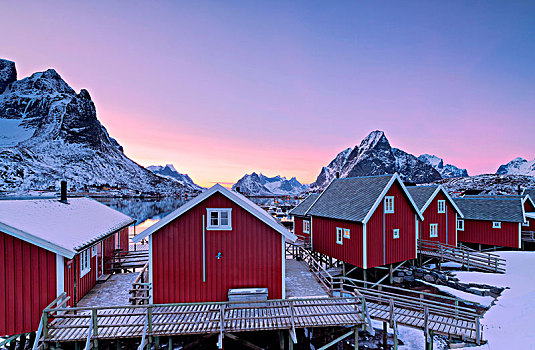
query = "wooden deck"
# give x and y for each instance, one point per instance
(75, 324)
(471, 259)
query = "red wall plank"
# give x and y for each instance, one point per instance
(479, 231)
(28, 284)
(251, 256)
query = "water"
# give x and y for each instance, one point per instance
(146, 211)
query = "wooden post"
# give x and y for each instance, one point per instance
(390, 274)
(356, 346)
(95, 323)
(385, 336)
(281, 340)
(430, 343)
(365, 277)
(76, 345)
(45, 325)
(156, 343)
(32, 339)
(170, 344)
(118, 344)
(290, 342)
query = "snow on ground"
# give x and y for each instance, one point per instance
(485, 301)
(510, 324)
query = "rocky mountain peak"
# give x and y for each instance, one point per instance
(8, 74)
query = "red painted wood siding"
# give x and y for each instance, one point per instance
(528, 207)
(87, 282)
(403, 218)
(446, 222)
(396, 250)
(298, 227)
(479, 231)
(124, 240)
(28, 284)
(324, 240)
(251, 256)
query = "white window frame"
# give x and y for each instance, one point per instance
(433, 230)
(117, 240)
(395, 233)
(496, 224)
(461, 226)
(219, 226)
(347, 233)
(389, 204)
(526, 224)
(93, 251)
(441, 206)
(85, 262)
(339, 235)
(306, 226)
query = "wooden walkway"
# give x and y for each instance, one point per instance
(139, 321)
(398, 306)
(128, 260)
(470, 258)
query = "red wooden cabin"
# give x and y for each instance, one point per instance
(218, 241)
(440, 214)
(491, 220)
(48, 247)
(301, 221)
(529, 208)
(366, 221)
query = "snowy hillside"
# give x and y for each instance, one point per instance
(48, 132)
(375, 156)
(447, 170)
(261, 185)
(488, 183)
(518, 166)
(170, 172)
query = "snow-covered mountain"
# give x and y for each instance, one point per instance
(48, 132)
(170, 172)
(261, 185)
(488, 184)
(518, 166)
(445, 170)
(375, 156)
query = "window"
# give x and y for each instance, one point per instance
(396, 233)
(441, 206)
(526, 223)
(219, 219)
(339, 235)
(85, 263)
(347, 233)
(460, 224)
(389, 204)
(496, 224)
(94, 250)
(433, 230)
(306, 226)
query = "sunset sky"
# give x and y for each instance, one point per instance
(224, 88)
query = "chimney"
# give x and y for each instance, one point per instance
(519, 190)
(63, 197)
(238, 189)
(337, 175)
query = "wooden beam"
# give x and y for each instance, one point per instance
(243, 341)
(337, 340)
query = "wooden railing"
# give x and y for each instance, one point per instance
(468, 257)
(194, 318)
(53, 311)
(140, 291)
(441, 310)
(528, 236)
(126, 260)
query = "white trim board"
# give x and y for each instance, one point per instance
(237, 198)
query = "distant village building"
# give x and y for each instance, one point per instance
(365, 221)
(494, 220)
(440, 214)
(51, 246)
(301, 221)
(218, 241)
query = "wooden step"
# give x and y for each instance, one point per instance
(103, 278)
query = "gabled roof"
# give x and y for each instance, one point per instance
(492, 208)
(356, 198)
(424, 195)
(234, 196)
(530, 192)
(302, 208)
(62, 228)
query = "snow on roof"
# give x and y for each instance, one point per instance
(62, 228)
(234, 196)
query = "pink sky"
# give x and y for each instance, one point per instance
(224, 89)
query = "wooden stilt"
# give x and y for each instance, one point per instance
(356, 346)
(281, 340)
(76, 345)
(390, 274)
(290, 342)
(385, 336)
(118, 344)
(32, 340)
(365, 278)
(170, 343)
(156, 343)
